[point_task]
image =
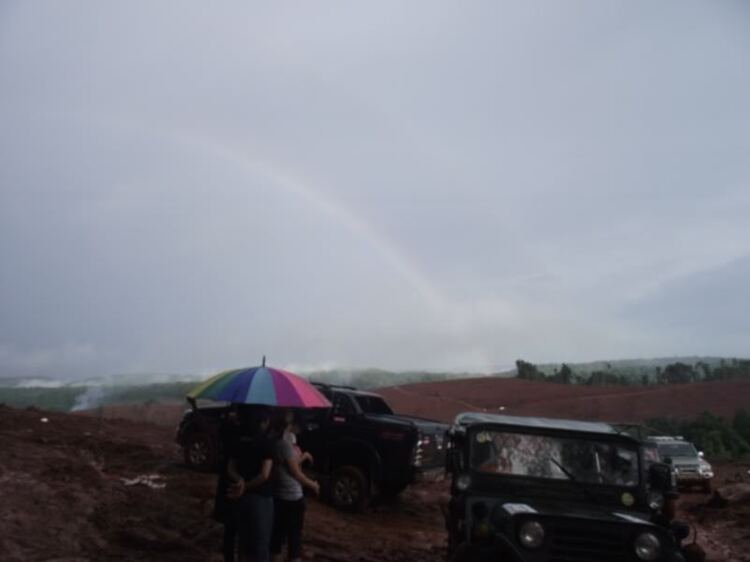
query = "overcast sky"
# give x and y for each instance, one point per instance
(185, 187)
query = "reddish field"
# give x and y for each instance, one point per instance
(443, 400)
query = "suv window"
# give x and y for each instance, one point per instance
(342, 405)
(673, 450)
(373, 405)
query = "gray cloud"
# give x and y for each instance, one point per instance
(185, 187)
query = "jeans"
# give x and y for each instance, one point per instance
(254, 525)
(289, 516)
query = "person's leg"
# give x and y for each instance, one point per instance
(295, 523)
(243, 523)
(279, 533)
(260, 527)
(229, 541)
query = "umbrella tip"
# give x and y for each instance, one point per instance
(264, 361)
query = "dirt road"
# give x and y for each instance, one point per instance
(78, 489)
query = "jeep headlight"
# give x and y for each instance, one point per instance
(531, 534)
(704, 469)
(647, 546)
(656, 501)
(463, 482)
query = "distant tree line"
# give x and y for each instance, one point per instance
(714, 435)
(674, 373)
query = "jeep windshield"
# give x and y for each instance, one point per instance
(554, 457)
(373, 404)
(673, 450)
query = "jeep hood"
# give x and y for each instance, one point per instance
(602, 513)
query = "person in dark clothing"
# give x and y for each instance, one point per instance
(224, 507)
(289, 499)
(250, 464)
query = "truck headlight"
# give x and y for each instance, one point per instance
(647, 546)
(531, 534)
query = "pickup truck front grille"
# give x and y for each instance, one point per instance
(579, 544)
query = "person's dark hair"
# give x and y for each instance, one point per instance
(255, 418)
(280, 422)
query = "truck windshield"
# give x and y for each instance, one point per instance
(673, 450)
(373, 405)
(554, 457)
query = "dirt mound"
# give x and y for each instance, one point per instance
(615, 403)
(722, 521)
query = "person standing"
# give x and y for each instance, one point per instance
(224, 507)
(249, 469)
(289, 498)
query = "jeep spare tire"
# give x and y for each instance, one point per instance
(200, 452)
(350, 489)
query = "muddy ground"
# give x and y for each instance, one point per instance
(76, 489)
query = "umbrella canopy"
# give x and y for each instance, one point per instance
(260, 385)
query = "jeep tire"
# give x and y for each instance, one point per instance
(706, 487)
(349, 488)
(200, 452)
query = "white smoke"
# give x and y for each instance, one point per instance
(89, 399)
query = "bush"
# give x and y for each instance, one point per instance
(710, 433)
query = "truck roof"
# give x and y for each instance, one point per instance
(342, 388)
(471, 418)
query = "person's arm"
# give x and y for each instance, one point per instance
(262, 477)
(292, 463)
(237, 486)
(306, 457)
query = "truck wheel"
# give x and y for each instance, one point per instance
(200, 452)
(349, 489)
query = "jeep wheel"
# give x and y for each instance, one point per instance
(706, 487)
(200, 452)
(349, 489)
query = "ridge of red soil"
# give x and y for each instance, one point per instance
(443, 400)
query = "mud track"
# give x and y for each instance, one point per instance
(79, 489)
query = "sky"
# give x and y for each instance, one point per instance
(187, 186)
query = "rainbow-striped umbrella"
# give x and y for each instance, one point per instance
(260, 385)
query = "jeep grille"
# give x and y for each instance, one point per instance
(578, 544)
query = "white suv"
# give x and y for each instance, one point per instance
(690, 468)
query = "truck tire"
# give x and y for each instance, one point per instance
(200, 452)
(349, 489)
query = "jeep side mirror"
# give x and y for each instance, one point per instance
(660, 476)
(700, 454)
(454, 462)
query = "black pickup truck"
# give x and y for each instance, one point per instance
(360, 447)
